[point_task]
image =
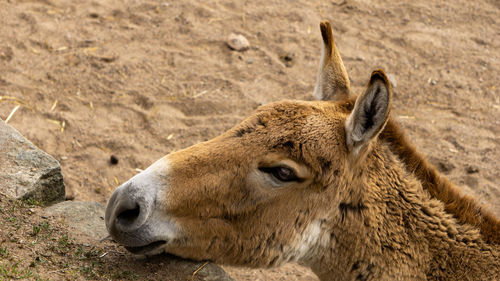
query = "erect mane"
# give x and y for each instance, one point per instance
(464, 208)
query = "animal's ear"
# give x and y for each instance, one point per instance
(333, 82)
(370, 113)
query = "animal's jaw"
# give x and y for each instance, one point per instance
(150, 249)
(149, 239)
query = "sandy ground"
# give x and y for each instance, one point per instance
(140, 79)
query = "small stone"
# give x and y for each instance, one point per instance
(113, 160)
(472, 169)
(288, 59)
(432, 81)
(392, 79)
(237, 42)
(443, 166)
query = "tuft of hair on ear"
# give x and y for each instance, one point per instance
(327, 36)
(332, 82)
(370, 113)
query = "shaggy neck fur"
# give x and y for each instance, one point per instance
(397, 232)
(464, 208)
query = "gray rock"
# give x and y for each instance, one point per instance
(85, 217)
(26, 171)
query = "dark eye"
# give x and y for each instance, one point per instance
(281, 173)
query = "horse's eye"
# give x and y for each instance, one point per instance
(284, 174)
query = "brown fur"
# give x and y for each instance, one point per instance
(379, 213)
(332, 77)
(464, 208)
(377, 221)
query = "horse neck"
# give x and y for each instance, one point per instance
(464, 208)
(401, 232)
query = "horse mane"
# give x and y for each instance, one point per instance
(464, 208)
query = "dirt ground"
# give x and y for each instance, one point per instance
(37, 246)
(139, 79)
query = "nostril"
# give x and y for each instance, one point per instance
(129, 216)
(129, 208)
